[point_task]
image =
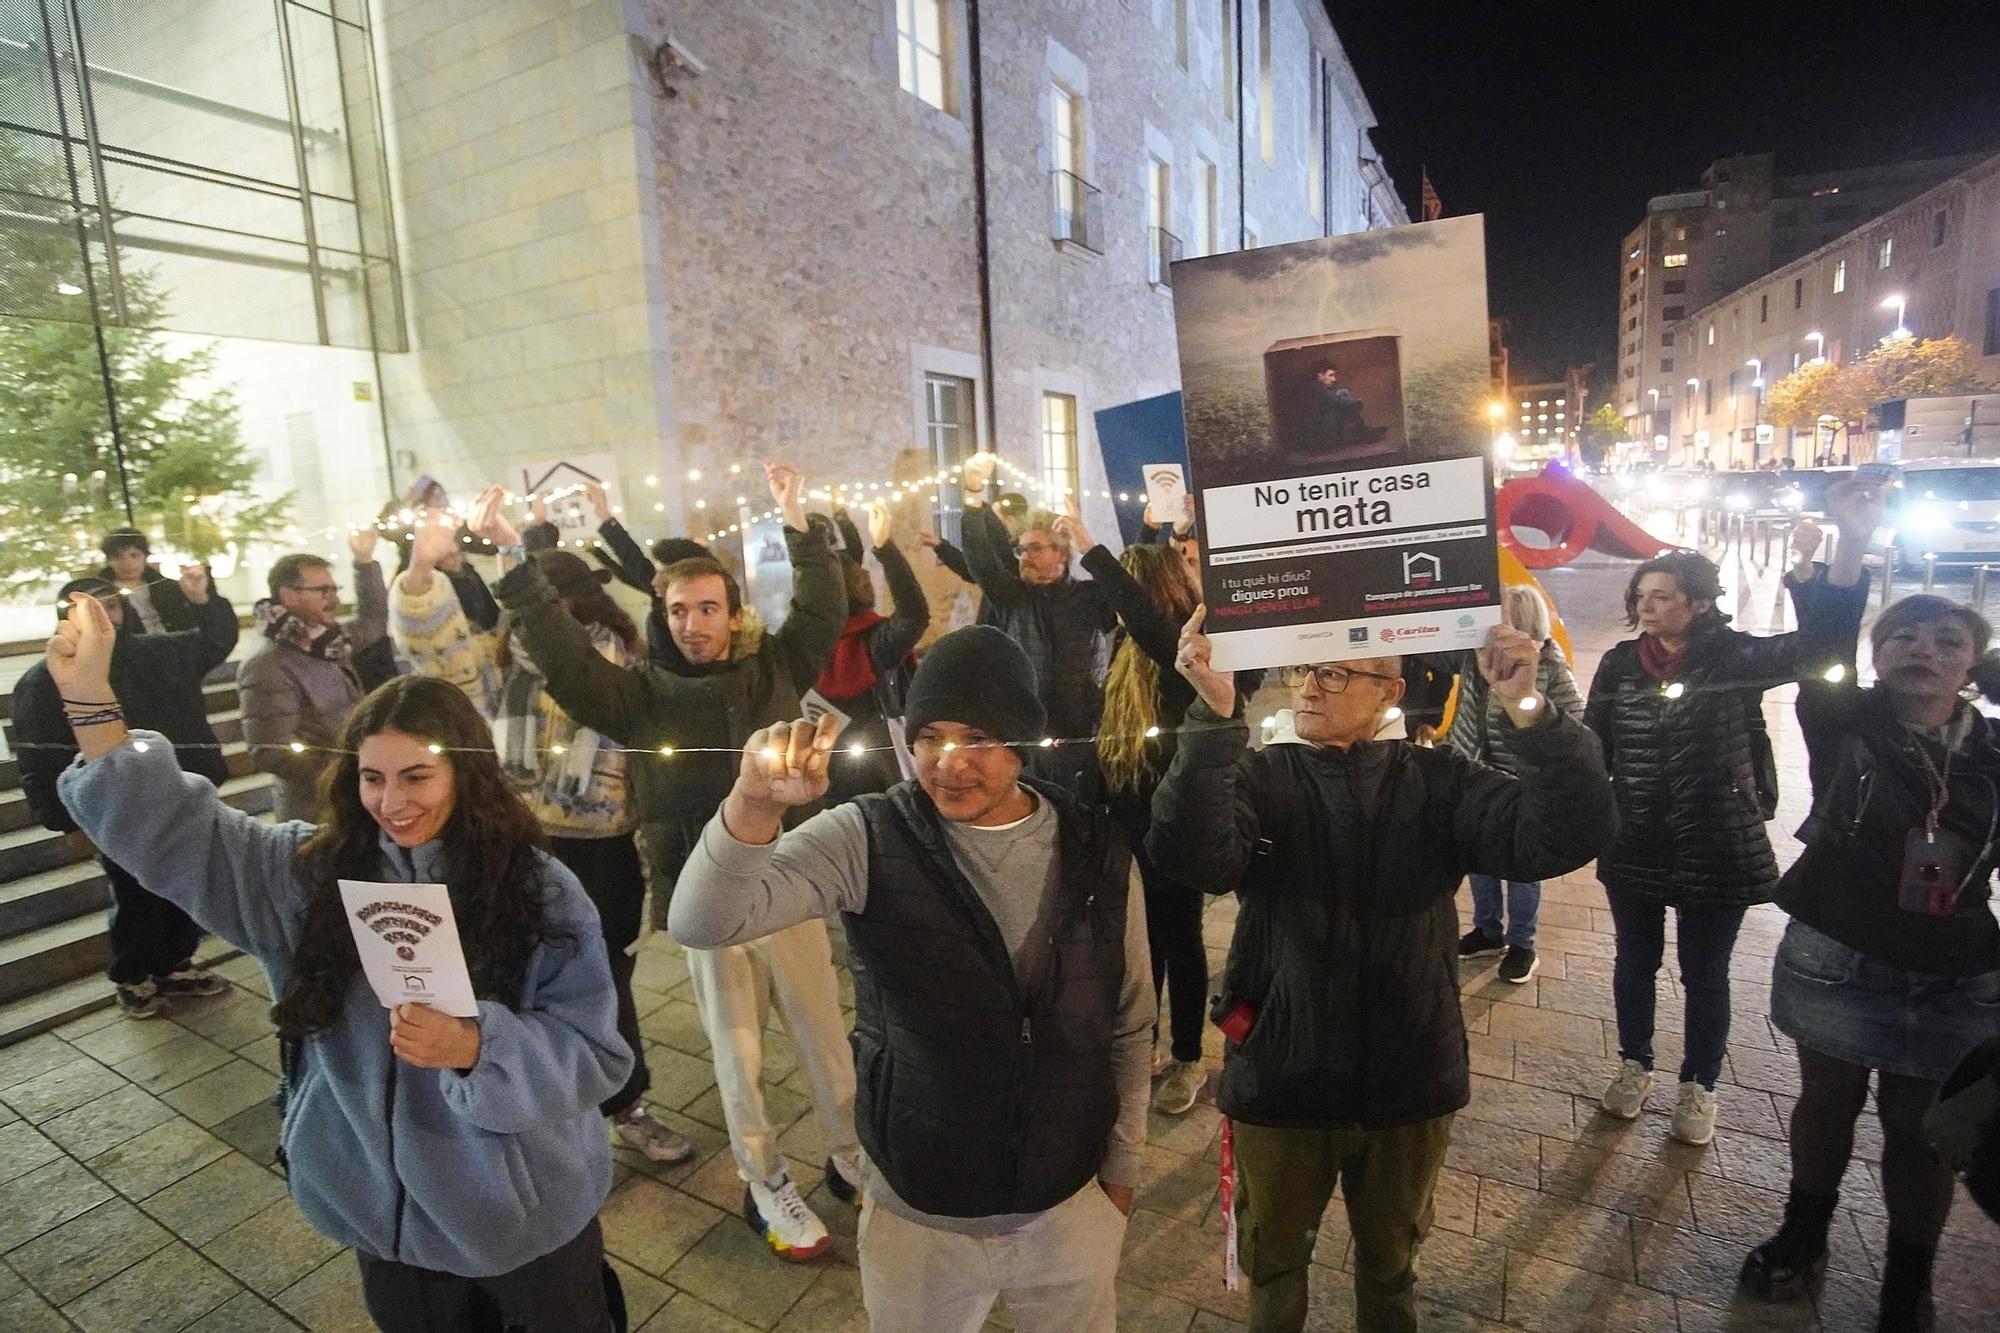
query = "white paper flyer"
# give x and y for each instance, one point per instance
(408, 941)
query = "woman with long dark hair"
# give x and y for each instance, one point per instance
(572, 779)
(1891, 963)
(1679, 711)
(462, 1158)
(1150, 589)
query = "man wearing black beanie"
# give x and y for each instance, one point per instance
(1003, 994)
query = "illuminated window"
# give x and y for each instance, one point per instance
(1204, 206)
(1887, 254)
(1059, 473)
(1711, 335)
(1678, 259)
(1840, 276)
(920, 47)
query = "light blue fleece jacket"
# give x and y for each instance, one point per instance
(471, 1174)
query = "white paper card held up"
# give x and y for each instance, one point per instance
(1166, 491)
(408, 941)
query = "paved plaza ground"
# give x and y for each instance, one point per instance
(137, 1191)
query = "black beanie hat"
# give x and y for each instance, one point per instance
(977, 677)
(673, 550)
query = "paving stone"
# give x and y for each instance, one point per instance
(643, 1295)
(222, 1092)
(1637, 1186)
(1745, 1314)
(1205, 1322)
(102, 1016)
(121, 1041)
(1491, 1056)
(1770, 1071)
(712, 1272)
(1196, 1134)
(107, 1122)
(1519, 1106)
(253, 1132)
(1748, 1216)
(263, 1052)
(1176, 1260)
(48, 1095)
(272, 1250)
(1455, 1201)
(45, 1198)
(1463, 1273)
(243, 1313)
(22, 1149)
(202, 1206)
(676, 1024)
(145, 1165)
(32, 1058)
(1544, 1296)
(652, 1227)
(328, 1299)
(67, 1262)
(685, 1314)
(678, 1078)
(231, 1020)
(173, 1063)
(165, 1292)
(244, 971)
(1576, 1073)
(25, 1312)
(1586, 996)
(1542, 1224)
(1177, 1185)
(1497, 1152)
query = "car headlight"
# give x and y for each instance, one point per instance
(1924, 518)
(1738, 501)
(1791, 498)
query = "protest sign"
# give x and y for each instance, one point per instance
(408, 942)
(1129, 436)
(1335, 393)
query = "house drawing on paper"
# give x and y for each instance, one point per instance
(562, 474)
(1422, 565)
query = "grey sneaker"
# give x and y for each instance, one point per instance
(187, 979)
(1179, 1086)
(141, 999)
(1694, 1115)
(640, 1130)
(1627, 1092)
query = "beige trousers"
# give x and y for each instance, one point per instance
(1057, 1273)
(733, 989)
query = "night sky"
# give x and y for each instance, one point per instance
(1559, 120)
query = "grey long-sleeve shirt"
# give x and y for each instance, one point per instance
(731, 891)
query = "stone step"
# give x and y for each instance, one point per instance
(45, 1009)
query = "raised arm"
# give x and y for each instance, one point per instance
(215, 627)
(613, 700)
(44, 746)
(170, 829)
(1149, 625)
(989, 555)
(819, 594)
(371, 594)
(1547, 822)
(634, 568)
(910, 615)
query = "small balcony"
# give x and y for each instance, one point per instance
(1163, 250)
(1077, 216)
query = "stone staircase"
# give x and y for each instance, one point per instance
(53, 898)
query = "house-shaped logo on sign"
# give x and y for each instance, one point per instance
(1421, 569)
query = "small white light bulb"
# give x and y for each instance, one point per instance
(1392, 714)
(1836, 673)
(298, 747)
(435, 748)
(666, 752)
(1048, 742)
(1531, 703)
(1675, 690)
(857, 749)
(1151, 732)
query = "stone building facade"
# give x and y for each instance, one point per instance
(1933, 261)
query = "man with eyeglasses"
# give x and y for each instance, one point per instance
(299, 685)
(1346, 1057)
(1003, 995)
(1062, 623)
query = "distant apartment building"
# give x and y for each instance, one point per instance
(1744, 221)
(1546, 420)
(1929, 266)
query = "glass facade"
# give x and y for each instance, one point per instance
(197, 270)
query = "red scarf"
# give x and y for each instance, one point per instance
(851, 672)
(1656, 660)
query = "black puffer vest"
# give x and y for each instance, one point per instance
(976, 1099)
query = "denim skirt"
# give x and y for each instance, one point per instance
(1840, 1002)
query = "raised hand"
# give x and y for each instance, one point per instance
(788, 489)
(978, 470)
(489, 518)
(538, 509)
(436, 539)
(1216, 688)
(194, 583)
(362, 544)
(1508, 660)
(1855, 504)
(785, 765)
(1185, 523)
(79, 653)
(1070, 531)
(600, 503)
(878, 523)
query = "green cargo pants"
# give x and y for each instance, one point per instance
(1285, 1180)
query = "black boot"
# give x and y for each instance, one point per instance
(1907, 1306)
(1783, 1267)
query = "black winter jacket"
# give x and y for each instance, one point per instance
(157, 678)
(1690, 822)
(1479, 729)
(890, 641)
(1062, 626)
(177, 614)
(1345, 863)
(976, 1098)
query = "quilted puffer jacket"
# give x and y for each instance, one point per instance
(1684, 762)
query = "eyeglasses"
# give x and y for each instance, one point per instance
(1331, 679)
(323, 589)
(977, 747)
(1032, 549)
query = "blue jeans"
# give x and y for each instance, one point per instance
(1524, 905)
(1707, 938)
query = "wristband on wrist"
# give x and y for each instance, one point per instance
(78, 721)
(91, 703)
(516, 550)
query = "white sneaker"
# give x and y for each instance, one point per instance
(1694, 1115)
(775, 1211)
(642, 1130)
(1627, 1092)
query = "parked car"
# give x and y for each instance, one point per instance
(1947, 508)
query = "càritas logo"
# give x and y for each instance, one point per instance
(1392, 634)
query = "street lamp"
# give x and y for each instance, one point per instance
(1756, 364)
(1902, 305)
(1818, 340)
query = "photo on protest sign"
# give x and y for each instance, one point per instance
(1335, 398)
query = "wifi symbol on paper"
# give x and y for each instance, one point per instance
(405, 932)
